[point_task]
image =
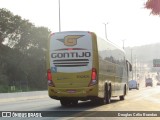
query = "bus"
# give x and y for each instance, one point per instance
(82, 66)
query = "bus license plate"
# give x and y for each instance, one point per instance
(71, 91)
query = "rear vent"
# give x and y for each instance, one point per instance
(71, 62)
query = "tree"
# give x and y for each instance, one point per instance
(154, 5)
(9, 26)
(23, 55)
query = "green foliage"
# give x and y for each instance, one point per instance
(22, 58)
(9, 26)
(3, 88)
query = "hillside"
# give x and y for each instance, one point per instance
(144, 53)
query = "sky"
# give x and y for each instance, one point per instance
(125, 20)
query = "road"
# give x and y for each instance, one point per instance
(144, 99)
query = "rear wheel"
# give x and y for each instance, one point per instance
(107, 95)
(122, 96)
(65, 102)
(74, 102)
(137, 87)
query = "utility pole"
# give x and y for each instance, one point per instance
(123, 43)
(135, 68)
(105, 24)
(132, 63)
(59, 3)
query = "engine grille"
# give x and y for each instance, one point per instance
(70, 62)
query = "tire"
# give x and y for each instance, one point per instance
(138, 87)
(122, 96)
(74, 102)
(107, 95)
(95, 101)
(65, 102)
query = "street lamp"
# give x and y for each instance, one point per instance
(132, 62)
(105, 24)
(123, 43)
(59, 15)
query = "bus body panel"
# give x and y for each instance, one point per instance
(71, 63)
(71, 58)
(112, 67)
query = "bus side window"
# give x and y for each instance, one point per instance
(129, 66)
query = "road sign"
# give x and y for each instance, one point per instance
(156, 62)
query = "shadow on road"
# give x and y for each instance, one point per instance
(81, 109)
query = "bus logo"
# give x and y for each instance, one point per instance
(70, 40)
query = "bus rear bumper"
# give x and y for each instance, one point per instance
(73, 93)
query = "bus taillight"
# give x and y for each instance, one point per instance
(49, 74)
(93, 77)
(49, 78)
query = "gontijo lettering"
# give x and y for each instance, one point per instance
(71, 54)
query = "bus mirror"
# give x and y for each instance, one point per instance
(130, 67)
